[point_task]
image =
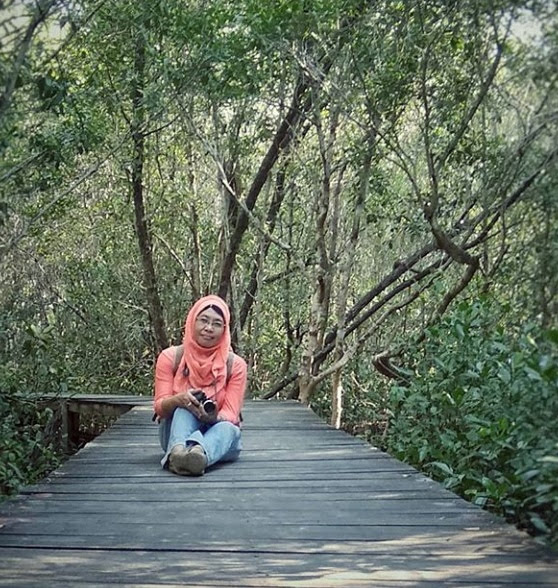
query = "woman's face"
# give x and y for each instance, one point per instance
(209, 327)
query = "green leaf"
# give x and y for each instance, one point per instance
(504, 375)
(423, 452)
(532, 374)
(480, 500)
(530, 474)
(538, 523)
(549, 459)
(444, 467)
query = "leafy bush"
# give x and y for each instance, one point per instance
(481, 414)
(30, 366)
(27, 430)
(26, 453)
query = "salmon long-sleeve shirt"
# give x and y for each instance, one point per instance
(229, 400)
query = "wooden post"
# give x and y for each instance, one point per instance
(64, 434)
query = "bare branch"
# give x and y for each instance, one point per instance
(400, 268)
(328, 347)
(253, 220)
(456, 252)
(459, 287)
(509, 201)
(173, 254)
(21, 165)
(362, 338)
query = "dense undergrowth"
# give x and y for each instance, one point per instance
(28, 449)
(31, 443)
(479, 414)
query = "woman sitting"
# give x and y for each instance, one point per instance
(193, 434)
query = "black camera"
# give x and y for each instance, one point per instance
(208, 405)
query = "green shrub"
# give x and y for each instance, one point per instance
(481, 415)
(26, 453)
(28, 430)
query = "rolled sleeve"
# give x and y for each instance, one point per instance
(164, 379)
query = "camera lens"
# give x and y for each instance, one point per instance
(209, 406)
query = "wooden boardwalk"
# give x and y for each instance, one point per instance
(305, 506)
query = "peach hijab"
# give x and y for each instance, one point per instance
(204, 368)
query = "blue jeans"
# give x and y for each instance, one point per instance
(221, 441)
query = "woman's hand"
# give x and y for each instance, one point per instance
(188, 401)
(208, 418)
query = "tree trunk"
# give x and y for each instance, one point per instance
(319, 308)
(195, 257)
(257, 264)
(345, 278)
(281, 140)
(142, 229)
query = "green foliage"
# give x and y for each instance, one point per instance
(26, 451)
(481, 414)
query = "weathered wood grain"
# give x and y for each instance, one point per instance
(264, 569)
(306, 505)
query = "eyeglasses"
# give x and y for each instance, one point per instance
(205, 322)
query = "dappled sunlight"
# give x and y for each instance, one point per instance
(332, 517)
(289, 564)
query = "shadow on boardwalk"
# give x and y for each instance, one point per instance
(306, 505)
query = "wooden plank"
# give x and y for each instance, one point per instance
(289, 504)
(247, 465)
(244, 470)
(225, 513)
(152, 491)
(246, 494)
(306, 505)
(124, 399)
(261, 569)
(143, 536)
(480, 544)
